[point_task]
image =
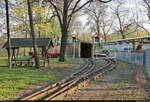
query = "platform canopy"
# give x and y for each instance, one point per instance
(129, 39)
(27, 42)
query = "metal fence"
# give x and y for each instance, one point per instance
(70, 50)
(130, 57)
(137, 58)
(147, 60)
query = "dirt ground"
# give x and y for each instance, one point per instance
(126, 82)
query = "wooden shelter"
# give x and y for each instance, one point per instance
(16, 43)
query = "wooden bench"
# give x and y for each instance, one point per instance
(19, 63)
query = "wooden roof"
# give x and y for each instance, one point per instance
(27, 42)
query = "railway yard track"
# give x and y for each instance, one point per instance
(87, 72)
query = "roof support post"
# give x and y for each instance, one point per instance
(133, 44)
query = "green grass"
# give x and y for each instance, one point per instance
(68, 61)
(3, 60)
(19, 78)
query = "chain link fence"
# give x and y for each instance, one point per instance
(130, 57)
(147, 60)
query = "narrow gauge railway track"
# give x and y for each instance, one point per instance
(87, 72)
(85, 69)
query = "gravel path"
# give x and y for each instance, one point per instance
(126, 82)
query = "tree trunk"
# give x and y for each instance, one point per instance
(121, 27)
(33, 35)
(8, 34)
(123, 36)
(63, 45)
(64, 31)
(98, 28)
(105, 37)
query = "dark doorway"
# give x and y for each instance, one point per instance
(86, 50)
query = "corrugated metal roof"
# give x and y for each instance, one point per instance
(27, 42)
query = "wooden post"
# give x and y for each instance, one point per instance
(43, 54)
(17, 52)
(12, 58)
(48, 62)
(79, 46)
(133, 45)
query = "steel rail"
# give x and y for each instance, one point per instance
(111, 64)
(37, 95)
(85, 74)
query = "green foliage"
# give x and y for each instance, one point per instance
(41, 16)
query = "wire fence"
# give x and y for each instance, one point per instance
(138, 58)
(130, 57)
(147, 60)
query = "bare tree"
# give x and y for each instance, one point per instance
(8, 34)
(147, 3)
(106, 26)
(122, 16)
(99, 18)
(140, 22)
(140, 25)
(64, 10)
(95, 12)
(33, 35)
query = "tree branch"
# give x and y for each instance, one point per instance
(72, 13)
(58, 15)
(104, 1)
(82, 6)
